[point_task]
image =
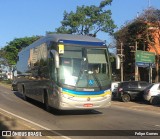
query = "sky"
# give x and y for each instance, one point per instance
(25, 18)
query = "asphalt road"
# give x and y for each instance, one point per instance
(113, 118)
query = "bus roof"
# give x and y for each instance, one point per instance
(58, 37)
(67, 38)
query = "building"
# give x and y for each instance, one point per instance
(155, 31)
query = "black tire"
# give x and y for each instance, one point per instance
(13, 88)
(154, 100)
(46, 104)
(126, 98)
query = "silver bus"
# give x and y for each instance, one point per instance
(65, 72)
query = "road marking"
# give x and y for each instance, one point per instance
(137, 106)
(35, 123)
(157, 125)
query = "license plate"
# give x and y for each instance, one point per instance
(88, 105)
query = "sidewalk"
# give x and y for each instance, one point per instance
(8, 123)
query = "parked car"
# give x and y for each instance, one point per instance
(152, 94)
(114, 87)
(130, 90)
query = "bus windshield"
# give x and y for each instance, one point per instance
(84, 67)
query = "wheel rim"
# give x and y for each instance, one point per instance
(126, 98)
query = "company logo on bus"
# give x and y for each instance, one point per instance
(88, 99)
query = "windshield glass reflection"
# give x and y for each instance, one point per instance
(89, 71)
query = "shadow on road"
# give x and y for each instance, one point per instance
(74, 112)
(59, 112)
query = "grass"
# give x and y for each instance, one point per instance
(6, 83)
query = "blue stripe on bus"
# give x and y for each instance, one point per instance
(83, 43)
(83, 92)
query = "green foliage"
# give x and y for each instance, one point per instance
(136, 31)
(151, 15)
(104, 3)
(20, 43)
(11, 55)
(10, 51)
(9, 82)
(2, 60)
(50, 32)
(88, 20)
(112, 59)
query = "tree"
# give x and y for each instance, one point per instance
(152, 18)
(10, 51)
(138, 31)
(88, 20)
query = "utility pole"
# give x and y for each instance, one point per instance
(136, 67)
(121, 58)
(150, 73)
(122, 62)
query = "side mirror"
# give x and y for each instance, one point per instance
(56, 57)
(118, 61)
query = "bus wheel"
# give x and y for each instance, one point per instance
(24, 94)
(46, 105)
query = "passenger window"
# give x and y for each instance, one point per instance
(133, 85)
(125, 85)
(142, 85)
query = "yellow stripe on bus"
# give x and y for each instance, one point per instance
(85, 96)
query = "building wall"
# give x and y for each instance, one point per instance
(156, 36)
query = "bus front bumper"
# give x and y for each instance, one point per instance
(84, 103)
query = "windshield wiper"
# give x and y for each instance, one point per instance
(82, 70)
(79, 77)
(97, 80)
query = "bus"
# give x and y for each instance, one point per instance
(66, 72)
